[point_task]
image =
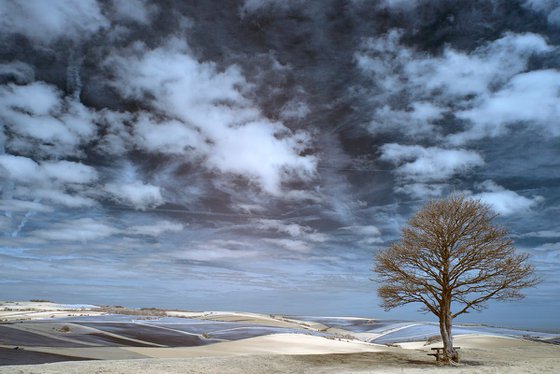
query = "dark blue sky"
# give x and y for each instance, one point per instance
(253, 155)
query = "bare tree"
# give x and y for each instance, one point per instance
(452, 259)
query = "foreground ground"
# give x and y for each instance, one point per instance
(156, 341)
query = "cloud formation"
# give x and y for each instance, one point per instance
(453, 100)
(38, 120)
(484, 87)
(208, 116)
(531, 98)
(429, 163)
(503, 201)
(46, 22)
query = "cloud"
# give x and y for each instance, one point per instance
(503, 201)
(26, 170)
(19, 169)
(83, 229)
(290, 244)
(550, 8)
(139, 11)
(548, 234)
(248, 208)
(366, 230)
(423, 190)
(531, 98)
(58, 182)
(40, 121)
(16, 71)
(171, 136)
(118, 138)
(156, 229)
(15, 205)
(208, 116)
(366, 235)
(418, 118)
(546, 257)
(217, 250)
(137, 194)
(293, 229)
(89, 229)
(429, 163)
(47, 21)
(69, 172)
(412, 91)
(459, 74)
(56, 196)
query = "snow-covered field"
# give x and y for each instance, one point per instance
(46, 333)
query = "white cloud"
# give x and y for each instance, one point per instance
(209, 116)
(418, 118)
(44, 121)
(118, 138)
(367, 234)
(47, 21)
(380, 57)
(217, 250)
(366, 230)
(127, 188)
(503, 201)
(139, 195)
(548, 234)
(156, 229)
(140, 11)
(529, 98)
(19, 169)
(248, 208)
(460, 74)
(83, 229)
(15, 205)
(292, 229)
(450, 83)
(57, 197)
(290, 244)
(46, 181)
(166, 137)
(69, 172)
(37, 98)
(303, 195)
(24, 169)
(429, 163)
(422, 190)
(88, 229)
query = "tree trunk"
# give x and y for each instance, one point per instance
(445, 326)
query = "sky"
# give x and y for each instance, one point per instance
(254, 155)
